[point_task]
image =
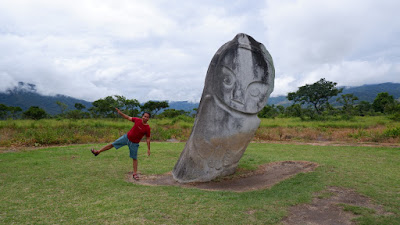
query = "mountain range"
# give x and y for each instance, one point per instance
(25, 95)
(366, 92)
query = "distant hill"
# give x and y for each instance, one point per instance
(369, 92)
(25, 95)
(364, 93)
(279, 100)
(183, 105)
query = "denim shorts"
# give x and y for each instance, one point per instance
(122, 141)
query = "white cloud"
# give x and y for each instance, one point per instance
(161, 49)
(344, 41)
(354, 73)
(7, 81)
(284, 84)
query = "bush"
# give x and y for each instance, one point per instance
(182, 118)
(395, 117)
(76, 114)
(172, 113)
(393, 132)
(35, 113)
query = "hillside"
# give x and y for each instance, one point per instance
(364, 93)
(369, 92)
(25, 96)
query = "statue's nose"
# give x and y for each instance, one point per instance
(238, 94)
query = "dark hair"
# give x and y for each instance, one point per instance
(147, 113)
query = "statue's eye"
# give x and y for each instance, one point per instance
(255, 92)
(228, 78)
(256, 88)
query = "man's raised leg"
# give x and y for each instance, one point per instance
(105, 148)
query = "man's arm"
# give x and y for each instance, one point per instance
(148, 145)
(123, 115)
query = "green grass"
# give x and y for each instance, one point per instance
(67, 185)
(61, 132)
(356, 122)
(357, 210)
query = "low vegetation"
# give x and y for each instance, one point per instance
(17, 133)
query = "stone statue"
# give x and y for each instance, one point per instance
(239, 80)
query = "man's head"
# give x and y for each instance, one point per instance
(145, 117)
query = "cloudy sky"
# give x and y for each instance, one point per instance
(161, 49)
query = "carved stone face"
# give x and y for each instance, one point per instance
(241, 78)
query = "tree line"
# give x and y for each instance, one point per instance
(102, 108)
(311, 101)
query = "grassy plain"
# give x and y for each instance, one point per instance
(68, 185)
(16, 133)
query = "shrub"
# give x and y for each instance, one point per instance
(359, 134)
(182, 118)
(35, 113)
(393, 132)
(395, 117)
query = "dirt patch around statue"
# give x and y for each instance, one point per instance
(333, 206)
(264, 177)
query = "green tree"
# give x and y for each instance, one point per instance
(396, 115)
(154, 106)
(79, 106)
(281, 109)
(15, 111)
(193, 113)
(269, 111)
(35, 113)
(348, 101)
(129, 106)
(3, 111)
(384, 103)
(9, 111)
(104, 107)
(120, 101)
(171, 113)
(132, 106)
(317, 95)
(76, 114)
(364, 108)
(62, 106)
(294, 110)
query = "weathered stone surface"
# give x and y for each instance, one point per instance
(239, 80)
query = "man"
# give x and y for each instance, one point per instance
(132, 139)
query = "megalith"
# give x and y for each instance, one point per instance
(238, 83)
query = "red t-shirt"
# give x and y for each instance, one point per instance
(138, 130)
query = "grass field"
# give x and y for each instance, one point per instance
(67, 185)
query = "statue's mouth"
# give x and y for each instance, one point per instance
(238, 102)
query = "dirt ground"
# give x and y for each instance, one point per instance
(265, 176)
(326, 208)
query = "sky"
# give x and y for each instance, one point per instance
(161, 49)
